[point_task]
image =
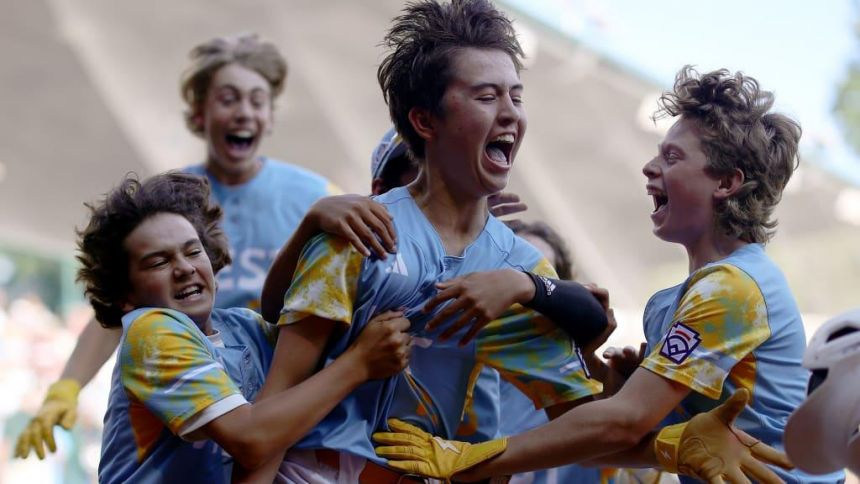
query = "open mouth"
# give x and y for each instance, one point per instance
(240, 140)
(499, 149)
(660, 201)
(189, 291)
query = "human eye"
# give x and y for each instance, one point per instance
(517, 98)
(156, 262)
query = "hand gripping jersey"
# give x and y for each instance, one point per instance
(259, 218)
(169, 380)
(733, 324)
(333, 281)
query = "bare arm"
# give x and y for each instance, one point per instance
(94, 347)
(591, 430)
(292, 401)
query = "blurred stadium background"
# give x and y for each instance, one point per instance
(90, 92)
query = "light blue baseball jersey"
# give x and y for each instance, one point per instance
(733, 324)
(519, 415)
(167, 372)
(259, 218)
(333, 281)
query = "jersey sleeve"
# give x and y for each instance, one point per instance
(721, 319)
(535, 355)
(325, 282)
(166, 365)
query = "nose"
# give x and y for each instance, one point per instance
(651, 170)
(183, 268)
(244, 109)
(509, 113)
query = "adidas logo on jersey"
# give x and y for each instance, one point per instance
(397, 267)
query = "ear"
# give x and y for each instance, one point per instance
(197, 121)
(422, 122)
(729, 184)
(377, 186)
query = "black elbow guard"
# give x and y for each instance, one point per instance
(570, 306)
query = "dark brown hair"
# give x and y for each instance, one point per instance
(737, 131)
(101, 249)
(423, 41)
(247, 51)
(563, 259)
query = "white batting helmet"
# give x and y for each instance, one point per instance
(823, 434)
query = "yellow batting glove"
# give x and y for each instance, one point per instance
(709, 448)
(414, 451)
(59, 408)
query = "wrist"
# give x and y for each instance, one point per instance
(355, 365)
(65, 389)
(526, 287)
(666, 445)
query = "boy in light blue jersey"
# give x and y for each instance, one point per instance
(732, 325)
(455, 95)
(185, 373)
(230, 89)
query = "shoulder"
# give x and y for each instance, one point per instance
(517, 251)
(152, 321)
(395, 198)
(720, 280)
(198, 169)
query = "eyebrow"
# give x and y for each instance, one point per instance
(494, 86)
(161, 253)
(670, 146)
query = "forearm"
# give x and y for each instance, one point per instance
(264, 430)
(585, 432)
(281, 273)
(94, 347)
(571, 306)
(640, 455)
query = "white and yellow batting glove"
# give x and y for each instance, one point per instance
(59, 408)
(709, 448)
(414, 451)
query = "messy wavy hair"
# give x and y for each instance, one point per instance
(247, 51)
(422, 43)
(101, 249)
(738, 131)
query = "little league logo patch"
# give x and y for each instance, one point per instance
(680, 342)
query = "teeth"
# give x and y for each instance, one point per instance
(245, 133)
(504, 138)
(189, 291)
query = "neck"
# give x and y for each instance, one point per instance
(711, 249)
(457, 217)
(234, 177)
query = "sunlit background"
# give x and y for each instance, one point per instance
(89, 92)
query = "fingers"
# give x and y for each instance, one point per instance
(409, 467)
(643, 347)
(387, 230)
(68, 419)
(403, 453)
(398, 439)
(22, 447)
(716, 480)
(508, 209)
(735, 475)
(447, 291)
(476, 327)
(361, 225)
(347, 233)
(768, 454)
(759, 471)
(387, 315)
(729, 410)
(601, 294)
(47, 434)
(447, 313)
